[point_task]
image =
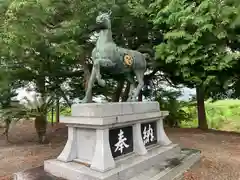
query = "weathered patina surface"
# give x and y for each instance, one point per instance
(116, 60)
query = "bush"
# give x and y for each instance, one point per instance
(64, 111)
(189, 123)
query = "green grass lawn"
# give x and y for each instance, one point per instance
(63, 112)
(221, 115)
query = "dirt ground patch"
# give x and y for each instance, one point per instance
(24, 152)
(220, 151)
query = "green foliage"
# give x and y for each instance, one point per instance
(65, 111)
(38, 106)
(31, 108)
(168, 102)
(46, 37)
(192, 120)
(196, 51)
(195, 39)
(12, 113)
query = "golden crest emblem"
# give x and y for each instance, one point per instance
(128, 60)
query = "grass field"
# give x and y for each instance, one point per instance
(221, 115)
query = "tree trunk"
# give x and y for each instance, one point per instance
(57, 110)
(52, 116)
(126, 91)
(40, 83)
(41, 126)
(118, 92)
(202, 120)
(7, 126)
(140, 96)
(41, 120)
(8, 120)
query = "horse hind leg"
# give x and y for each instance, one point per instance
(140, 78)
(132, 87)
(131, 92)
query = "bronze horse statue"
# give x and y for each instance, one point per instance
(115, 59)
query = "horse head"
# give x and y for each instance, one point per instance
(103, 20)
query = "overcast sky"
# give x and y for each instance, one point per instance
(186, 94)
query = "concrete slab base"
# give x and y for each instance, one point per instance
(174, 168)
(169, 168)
(126, 167)
(36, 173)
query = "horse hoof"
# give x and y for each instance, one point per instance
(131, 100)
(84, 100)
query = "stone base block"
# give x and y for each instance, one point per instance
(126, 168)
(171, 169)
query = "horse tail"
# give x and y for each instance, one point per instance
(148, 51)
(148, 55)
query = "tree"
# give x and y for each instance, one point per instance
(31, 51)
(37, 108)
(8, 87)
(194, 51)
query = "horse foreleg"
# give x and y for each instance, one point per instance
(107, 63)
(88, 94)
(100, 81)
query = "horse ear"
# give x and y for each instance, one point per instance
(109, 12)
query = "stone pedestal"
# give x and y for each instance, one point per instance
(113, 141)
